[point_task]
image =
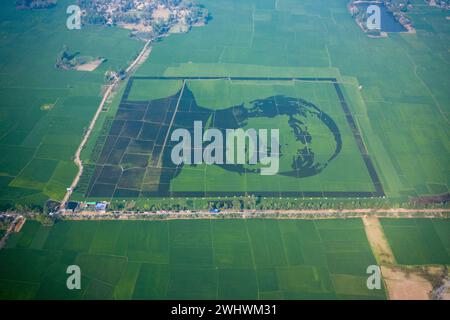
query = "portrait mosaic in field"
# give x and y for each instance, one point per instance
(137, 158)
(239, 150)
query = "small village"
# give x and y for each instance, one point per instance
(35, 4)
(398, 9)
(146, 19)
(86, 206)
(444, 4)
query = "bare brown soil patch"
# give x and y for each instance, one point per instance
(136, 27)
(90, 66)
(403, 282)
(411, 283)
(380, 246)
(19, 225)
(47, 106)
(161, 13)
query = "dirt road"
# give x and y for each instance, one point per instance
(285, 214)
(143, 55)
(13, 227)
(378, 241)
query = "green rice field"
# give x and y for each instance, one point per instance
(419, 241)
(197, 259)
(388, 98)
(44, 111)
(402, 108)
(320, 151)
(396, 88)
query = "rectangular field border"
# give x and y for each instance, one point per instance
(379, 191)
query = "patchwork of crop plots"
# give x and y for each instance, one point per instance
(197, 259)
(43, 110)
(402, 109)
(319, 139)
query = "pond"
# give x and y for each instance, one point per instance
(388, 22)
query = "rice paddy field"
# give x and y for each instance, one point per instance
(392, 108)
(44, 111)
(419, 241)
(319, 140)
(199, 259)
(396, 89)
(402, 109)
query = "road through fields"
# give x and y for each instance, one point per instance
(143, 55)
(270, 214)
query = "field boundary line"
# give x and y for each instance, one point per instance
(376, 192)
(376, 236)
(436, 102)
(171, 123)
(77, 159)
(252, 253)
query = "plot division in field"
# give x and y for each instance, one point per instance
(190, 259)
(322, 153)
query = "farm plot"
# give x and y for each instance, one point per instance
(196, 259)
(402, 107)
(419, 241)
(319, 139)
(44, 111)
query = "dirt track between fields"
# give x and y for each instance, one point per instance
(402, 282)
(380, 246)
(143, 55)
(15, 226)
(286, 214)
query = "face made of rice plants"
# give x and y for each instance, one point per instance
(238, 146)
(276, 135)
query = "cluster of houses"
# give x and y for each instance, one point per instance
(35, 4)
(118, 6)
(142, 14)
(398, 8)
(88, 206)
(439, 3)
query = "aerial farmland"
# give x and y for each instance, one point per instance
(121, 150)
